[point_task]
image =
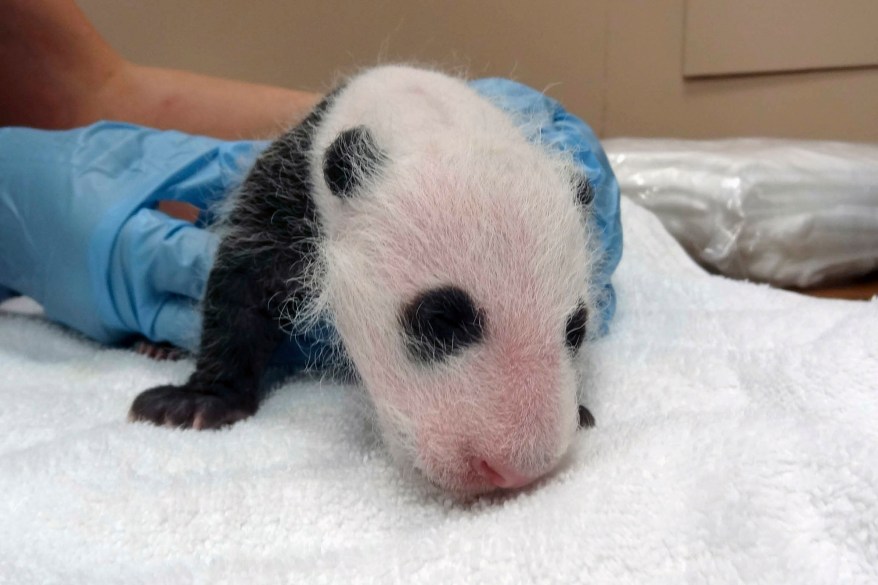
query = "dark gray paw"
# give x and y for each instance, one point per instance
(179, 406)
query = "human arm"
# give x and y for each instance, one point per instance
(58, 73)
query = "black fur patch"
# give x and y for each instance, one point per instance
(576, 328)
(259, 263)
(351, 158)
(584, 192)
(586, 418)
(441, 322)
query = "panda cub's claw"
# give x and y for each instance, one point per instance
(182, 407)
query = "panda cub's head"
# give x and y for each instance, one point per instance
(455, 264)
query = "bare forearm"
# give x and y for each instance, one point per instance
(57, 72)
(199, 104)
(51, 62)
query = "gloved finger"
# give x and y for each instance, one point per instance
(544, 120)
(183, 260)
(205, 170)
(178, 321)
(531, 110)
(171, 256)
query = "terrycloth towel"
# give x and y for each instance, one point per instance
(736, 441)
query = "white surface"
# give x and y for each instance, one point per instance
(736, 441)
(788, 212)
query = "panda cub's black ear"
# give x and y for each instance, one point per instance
(584, 191)
(352, 158)
(586, 418)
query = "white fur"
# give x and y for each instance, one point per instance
(461, 199)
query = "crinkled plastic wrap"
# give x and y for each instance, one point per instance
(791, 213)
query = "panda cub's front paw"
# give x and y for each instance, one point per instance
(180, 406)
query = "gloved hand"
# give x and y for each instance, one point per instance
(545, 121)
(78, 232)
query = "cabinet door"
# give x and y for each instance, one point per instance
(727, 37)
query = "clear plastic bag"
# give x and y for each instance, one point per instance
(790, 213)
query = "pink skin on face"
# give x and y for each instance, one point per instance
(503, 431)
(502, 413)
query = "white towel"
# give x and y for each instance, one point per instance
(736, 441)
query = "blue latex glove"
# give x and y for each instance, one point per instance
(79, 234)
(545, 121)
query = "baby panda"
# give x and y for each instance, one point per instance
(452, 257)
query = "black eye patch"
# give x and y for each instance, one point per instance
(576, 328)
(352, 157)
(441, 322)
(586, 418)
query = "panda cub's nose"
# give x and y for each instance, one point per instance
(500, 475)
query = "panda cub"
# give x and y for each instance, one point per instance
(452, 257)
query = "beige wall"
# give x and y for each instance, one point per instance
(616, 63)
(647, 94)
